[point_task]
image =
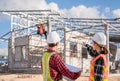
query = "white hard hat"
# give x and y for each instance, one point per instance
(53, 37)
(99, 38)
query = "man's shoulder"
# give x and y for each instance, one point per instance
(56, 56)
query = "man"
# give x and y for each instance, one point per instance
(41, 29)
(52, 63)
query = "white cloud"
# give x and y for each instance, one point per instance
(53, 6)
(82, 11)
(116, 13)
(3, 51)
(75, 11)
(27, 4)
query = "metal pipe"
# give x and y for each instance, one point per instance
(64, 55)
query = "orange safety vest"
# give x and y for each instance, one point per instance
(41, 30)
(105, 73)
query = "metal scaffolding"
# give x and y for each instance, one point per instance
(23, 23)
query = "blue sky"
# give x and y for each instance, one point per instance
(71, 8)
(102, 3)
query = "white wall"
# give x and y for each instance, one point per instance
(118, 54)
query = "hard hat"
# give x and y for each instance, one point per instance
(41, 22)
(99, 38)
(53, 37)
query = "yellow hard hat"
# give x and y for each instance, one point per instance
(41, 22)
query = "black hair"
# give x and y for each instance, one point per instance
(52, 44)
(103, 49)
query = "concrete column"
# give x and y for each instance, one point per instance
(66, 47)
(107, 42)
(12, 53)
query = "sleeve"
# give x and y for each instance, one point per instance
(64, 70)
(91, 51)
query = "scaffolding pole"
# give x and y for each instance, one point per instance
(64, 44)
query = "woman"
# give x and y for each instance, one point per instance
(99, 67)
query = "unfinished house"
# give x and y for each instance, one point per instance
(26, 48)
(27, 53)
(73, 46)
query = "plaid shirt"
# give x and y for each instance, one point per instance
(58, 68)
(99, 64)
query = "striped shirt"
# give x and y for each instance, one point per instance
(58, 68)
(99, 64)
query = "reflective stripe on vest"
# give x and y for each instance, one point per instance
(46, 68)
(105, 74)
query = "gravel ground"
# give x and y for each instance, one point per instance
(37, 77)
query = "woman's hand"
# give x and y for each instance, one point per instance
(84, 43)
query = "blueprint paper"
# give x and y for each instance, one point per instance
(73, 68)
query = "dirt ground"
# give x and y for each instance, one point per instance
(38, 77)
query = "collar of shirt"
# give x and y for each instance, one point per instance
(50, 50)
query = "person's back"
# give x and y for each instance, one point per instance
(53, 65)
(41, 29)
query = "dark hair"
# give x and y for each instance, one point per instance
(52, 44)
(102, 48)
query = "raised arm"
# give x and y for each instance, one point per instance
(91, 51)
